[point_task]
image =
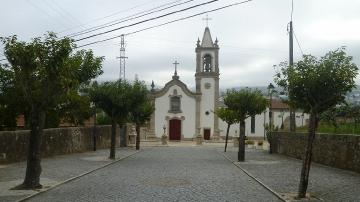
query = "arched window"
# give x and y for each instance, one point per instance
(207, 66)
(175, 104)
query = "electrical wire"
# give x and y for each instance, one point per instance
(113, 14)
(169, 22)
(147, 20)
(125, 19)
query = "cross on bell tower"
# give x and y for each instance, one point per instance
(207, 19)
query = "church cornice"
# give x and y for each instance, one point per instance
(207, 75)
(179, 83)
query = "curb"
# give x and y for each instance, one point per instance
(253, 177)
(76, 177)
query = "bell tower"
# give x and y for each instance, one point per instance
(207, 83)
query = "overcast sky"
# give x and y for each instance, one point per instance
(252, 36)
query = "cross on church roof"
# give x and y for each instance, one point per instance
(207, 19)
(176, 63)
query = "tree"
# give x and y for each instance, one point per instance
(45, 69)
(141, 108)
(316, 85)
(114, 98)
(245, 103)
(228, 116)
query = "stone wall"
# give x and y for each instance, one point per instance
(340, 151)
(55, 141)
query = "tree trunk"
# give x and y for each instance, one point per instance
(113, 138)
(137, 128)
(227, 137)
(307, 156)
(241, 153)
(33, 167)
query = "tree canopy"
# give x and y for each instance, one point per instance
(316, 85)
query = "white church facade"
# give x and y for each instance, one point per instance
(184, 114)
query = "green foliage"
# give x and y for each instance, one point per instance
(10, 100)
(103, 119)
(341, 128)
(114, 98)
(315, 85)
(245, 103)
(227, 115)
(46, 74)
(75, 109)
(141, 107)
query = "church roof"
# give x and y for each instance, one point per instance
(177, 82)
(207, 40)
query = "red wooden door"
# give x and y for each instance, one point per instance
(206, 134)
(175, 129)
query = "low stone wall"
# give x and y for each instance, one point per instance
(55, 141)
(340, 151)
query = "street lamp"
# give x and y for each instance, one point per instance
(94, 128)
(270, 90)
(164, 128)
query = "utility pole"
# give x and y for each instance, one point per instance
(122, 58)
(291, 63)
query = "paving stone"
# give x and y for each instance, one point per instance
(282, 174)
(164, 174)
(55, 169)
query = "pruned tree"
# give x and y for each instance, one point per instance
(228, 116)
(46, 69)
(141, 108)
(316, 85)
(114, 98)
(245, 103)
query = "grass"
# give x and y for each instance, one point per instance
(343, 128)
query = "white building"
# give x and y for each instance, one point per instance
(184, 114)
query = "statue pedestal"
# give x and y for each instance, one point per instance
(199, 140)
(164, 139)
(132, 137)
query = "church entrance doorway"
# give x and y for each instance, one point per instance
(206, 134)
(175, 129)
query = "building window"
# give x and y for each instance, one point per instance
(175, 104)
(253, 124)
(207, 67)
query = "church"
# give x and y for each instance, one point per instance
(183, 114)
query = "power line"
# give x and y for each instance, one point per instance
(44, 11)
(63, 16)
(150, 19)
(131, 17)
(298, 43)
(113, 14)
(169, 22)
